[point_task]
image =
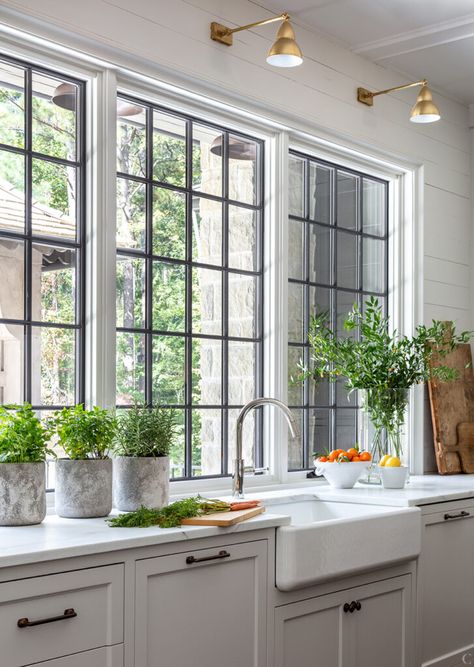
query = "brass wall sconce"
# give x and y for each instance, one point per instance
(424, 109)
(284, 52)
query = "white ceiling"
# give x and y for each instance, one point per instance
(431, 39)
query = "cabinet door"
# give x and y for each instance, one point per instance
(446, 586)
(381, 630)
(205, 607)
(310, 633)
(111, 656)
(322, 631)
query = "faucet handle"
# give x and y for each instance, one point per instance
(256, 471)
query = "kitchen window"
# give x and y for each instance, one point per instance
(189, 284)
(42, 157)
(337, 256)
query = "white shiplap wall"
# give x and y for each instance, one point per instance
(172, 36)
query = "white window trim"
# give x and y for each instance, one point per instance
(120, 71)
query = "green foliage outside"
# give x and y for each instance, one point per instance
(23, 438)
(84, 434)
(143, 431)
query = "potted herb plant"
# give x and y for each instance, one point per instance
(385, 366)
(84, 478)
(141, 464)
(23, 450)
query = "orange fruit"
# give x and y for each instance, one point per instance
(355, 459)
(322, 459)
(365, 456)
(353, 452)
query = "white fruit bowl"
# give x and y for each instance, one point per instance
(393, 478)
(341, 475)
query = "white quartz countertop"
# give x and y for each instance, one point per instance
(63, 538)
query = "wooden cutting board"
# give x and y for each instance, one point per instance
(223, 518)
(452, 411)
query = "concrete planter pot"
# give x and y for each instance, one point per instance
(22, 493)
(83, 488)
(141, 481)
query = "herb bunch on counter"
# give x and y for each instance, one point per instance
(171, 515)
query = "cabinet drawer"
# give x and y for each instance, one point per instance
(49, 631)
(111, 656)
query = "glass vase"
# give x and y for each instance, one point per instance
(384, 412)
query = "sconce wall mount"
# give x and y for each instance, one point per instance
(423, 111)
(284, 52)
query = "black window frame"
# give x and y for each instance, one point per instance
(188, 263)
(334, 404)
(29, 238)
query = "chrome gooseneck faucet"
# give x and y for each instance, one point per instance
(239, 468)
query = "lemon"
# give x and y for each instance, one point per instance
(384, 459)
(393, 462)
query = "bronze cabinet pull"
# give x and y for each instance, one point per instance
(222, 554)
(26, 623)
(461, 515)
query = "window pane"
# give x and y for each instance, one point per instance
(242, 369)
(131, 201)
(346, 432)
(243, 291)
(296, 230)
(296, 186)
(347, 260)
(131, 141)
(243, 155)
(295, 386)
(54, 123)
(249, 437)
(54, 284)
(12, 262)
(374, 213)
(169, 296)
(12, 105)
(12, 192)
(374, 265)
(12, 363)
(169, 223)
(320, 301)
(207, 371)
(207, 231)
(320, 204)
(177, 453)
(53, 210)
(169, 149)
(53, 366)
(130, 368)
(207, 301)
(320, 254)
(295, 445)
(168, 369)
(243, 245)
(347, 201)
(207, 160)
(130, 292)
(207, 442)
(345, 303)
(319, 434)
(295, 313)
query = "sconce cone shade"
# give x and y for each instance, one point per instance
(285, 52)
(425, 110)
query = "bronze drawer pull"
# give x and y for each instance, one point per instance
(461, 515)
(222, 554)
(26, 623)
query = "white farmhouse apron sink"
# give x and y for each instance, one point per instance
(326, 540)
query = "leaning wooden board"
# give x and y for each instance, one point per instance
(452, 412)
(223, 518)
